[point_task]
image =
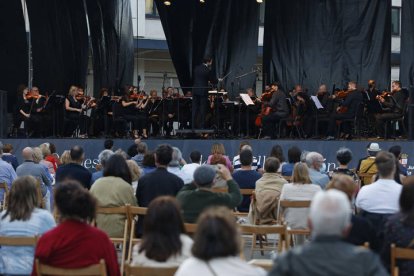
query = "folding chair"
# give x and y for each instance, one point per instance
(123, 210)
(149, 271)
(399, 253)
(190, 228)
(18, 241)
(134, 212)
(3, 201)
(39, 194)
(244, 192)
(93, 270)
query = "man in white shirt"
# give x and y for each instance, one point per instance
(382, 196)
(188, 169)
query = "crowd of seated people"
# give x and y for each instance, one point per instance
(57, 199)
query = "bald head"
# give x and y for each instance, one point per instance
(27, 153)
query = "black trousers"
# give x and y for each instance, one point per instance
(381, 119)
(338, 117)
(199, 109)
(154, 123)
(270, 121)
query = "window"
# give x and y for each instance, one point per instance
(151, 8)
(395, 21)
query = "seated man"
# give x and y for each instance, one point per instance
(315, 162)
(196, 197)
(367, 165)
(329, 221)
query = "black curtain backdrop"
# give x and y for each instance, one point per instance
(110, 24)
(226, 30)
(311, 42)
(407, 43)
(13, 49)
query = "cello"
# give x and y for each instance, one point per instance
(265, 110)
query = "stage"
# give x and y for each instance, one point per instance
(261, 148)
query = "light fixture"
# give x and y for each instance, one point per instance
(259, 1)
(167, 3)
(202, 1)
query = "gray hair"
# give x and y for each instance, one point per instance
(247, 147)
(142, 148)
(303, 156)
(312, 157)
(176, 157)
(330, 213)
(204, 175)
(104, 156)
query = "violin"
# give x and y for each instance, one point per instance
(30, 96)
(137, 97)
(265, 98)
(383, 95)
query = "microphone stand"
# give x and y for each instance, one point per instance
(219, 86)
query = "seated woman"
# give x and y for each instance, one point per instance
(218, 151)
(74, 243)
(164, 242)
(23, 219)
(216, 247)
(114, 189)
(399, 229)
(293, 158)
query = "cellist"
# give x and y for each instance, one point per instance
(347, 110)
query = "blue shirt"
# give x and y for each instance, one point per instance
(7, 174)
(287, 169)
(9, 158)
(318, 178)
(19, 260)
(96, 176)
(246, 180)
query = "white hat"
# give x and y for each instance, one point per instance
(374, 147)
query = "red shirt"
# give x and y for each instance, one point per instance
(74, 244)
(54, 160)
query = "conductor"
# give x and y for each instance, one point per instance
(200, 91)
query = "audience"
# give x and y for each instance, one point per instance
(74, 170)
(164, 242)
(48, 162)
(188, 169)
(236, 160)
(246, 177)
(52, 156)
(74, 243)
(368, 165)
(196, 197)
(216, 247)
(400, 170)
(7, 173)
(362, 230)
(29, 167)
(114, 189)
(135, 171)
(65, 158)
(277, 152)
(399, 229)
(103, 158)
(22, 218)
(316, 163)
(293, 158)
(344, 157)
(218, 151)
(148, 163)
(8, 155)
(174, 166)
(327, 254)
(267, 193)
(142, 149)
(38, 159)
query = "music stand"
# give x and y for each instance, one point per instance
(217, 93)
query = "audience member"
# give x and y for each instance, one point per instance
(362, 230)
(53, 156)
(236, 160)
(196, 197)
(74, 170)
(114, 189)
(164, 242)
(38, 158)
(368, 165)
(218, 151)
(65, 158)
(316, 163)
(399, 229)
(22, 218)
(219, 182)
(7, 173)
(109, 144)
(400, 170)
(344, 157)
(49, 162)
(327, 254)
(142, 149)
(293, 158)
(246, 178)
(8, 155)
(174, 166)
(277, 152)
(135, 171)
(148, 163)
(216, 247)
(29, 167)
(74, 243)
(103, 158)
(188, 169)
(267, 193)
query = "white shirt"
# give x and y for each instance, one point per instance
(178, 172)
(380, 197)
(228, 266)
(188, 170)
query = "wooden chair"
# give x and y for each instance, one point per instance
(93, 270)
(39, 194)
(287, 178)
(123, 210)
(283, 204)
(259, 230)
(134, 212)
(3, 201)
(190, 228)
(266, 264)
(399, 253)
(149, 271)
(18, 241)
(220, 189)
(244, 192)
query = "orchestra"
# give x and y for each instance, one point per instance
(137, 114)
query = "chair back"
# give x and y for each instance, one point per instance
(133, 212)
(291, 204)
(190, 228)
(399, 253)
(93, 270)
(39, 194)
(247, 192)
(149, 271)
(262, 229)
(3, 201)
(18, 241)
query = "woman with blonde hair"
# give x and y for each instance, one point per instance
(135, 171)
(217, 152)
(73, 113)
(65, 158)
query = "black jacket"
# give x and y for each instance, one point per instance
(278, 103)
(76, 172)
(201, 77)
(352, 101)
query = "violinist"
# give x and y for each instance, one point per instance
(74, 116)
(129, 104)
(168, 111)
(37, 124)
(393, 106)
(153, 108)
(276, 109)
(142, 116)
(185, 103)
(370, 98)
(347, 110)
(22, 108)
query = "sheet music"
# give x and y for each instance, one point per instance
(246, 99)
(317, 102)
